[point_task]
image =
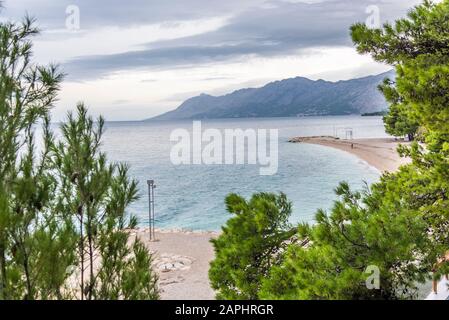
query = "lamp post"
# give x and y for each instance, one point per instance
(151, 215)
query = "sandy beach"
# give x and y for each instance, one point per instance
(182, 258)
(379, 153)
(182, 261)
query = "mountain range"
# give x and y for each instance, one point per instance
(293, 97)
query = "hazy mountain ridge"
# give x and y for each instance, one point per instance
(285, 98)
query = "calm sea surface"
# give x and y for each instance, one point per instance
(192, 196)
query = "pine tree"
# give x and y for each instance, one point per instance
(363, 230)
(56, 197)
(96, 194)
(31, 266)
(399, 121)
(250, 245)
(418, 47)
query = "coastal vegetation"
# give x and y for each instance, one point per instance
(399, 120)
(95, 194)
(62, 204)
(251, 244)
(396, 229)
(64, 226)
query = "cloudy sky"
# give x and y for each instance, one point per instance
(135, 59)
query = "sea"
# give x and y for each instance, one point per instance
(192, 196)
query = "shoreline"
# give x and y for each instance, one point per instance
(182, 257)
(380, 153)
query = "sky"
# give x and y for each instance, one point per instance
(135, 59)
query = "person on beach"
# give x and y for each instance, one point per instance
(443, 260)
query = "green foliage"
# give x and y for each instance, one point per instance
(250, 245)
(362, 230)
(399, 226)
(62, 206)
(398, 123)
(423, 33)
(399, 120)
(31, 233)
(96, 194)
(418, 46)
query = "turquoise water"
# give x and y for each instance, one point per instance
(192, 196)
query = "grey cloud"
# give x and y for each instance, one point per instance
(52, 13)
(276, 30)
(161, 58)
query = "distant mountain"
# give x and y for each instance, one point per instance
(288, 98)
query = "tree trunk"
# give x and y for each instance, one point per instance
(81, 249)
(3, 294)
(30, 294)
(91, 258)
